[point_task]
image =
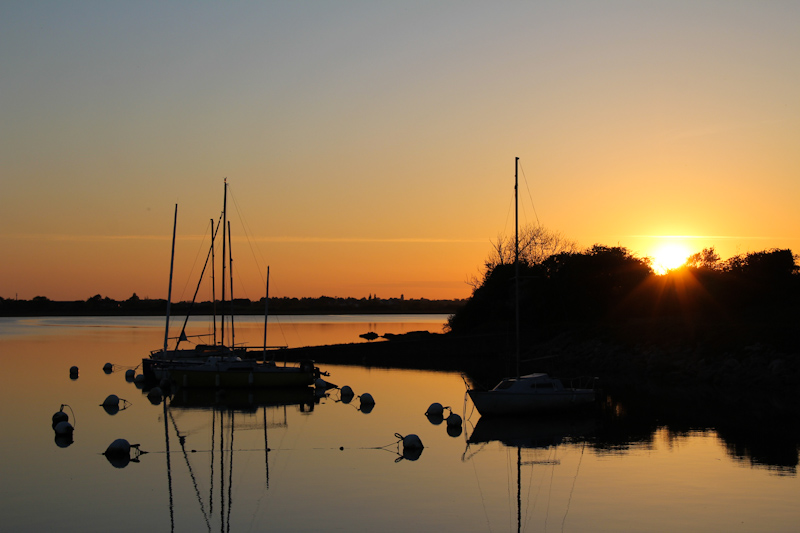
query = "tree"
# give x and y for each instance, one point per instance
(536, 244)
(708, 259)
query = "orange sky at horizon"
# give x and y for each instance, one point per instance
(370, 148)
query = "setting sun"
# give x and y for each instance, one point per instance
(669, 256)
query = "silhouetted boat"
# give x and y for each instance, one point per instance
(531, 393)
(220, 365)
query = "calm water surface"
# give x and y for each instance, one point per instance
(292, 462)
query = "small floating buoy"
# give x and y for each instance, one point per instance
(412, 446)
(139, 378)
(367, 398)
(435, 409)
(111, 399)
(64, 428)
(108, 368)
(73, 372)
(453, 420)
(60, 416)
(118, 447)
(130, 375)
(118, 453)
(412, 441)
(367, 403)
(111, 404)
(63, 441)
(346, 394)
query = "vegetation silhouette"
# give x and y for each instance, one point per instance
(611, 287)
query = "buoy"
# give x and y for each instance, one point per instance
(434, 419)
(413, 442)
(63, 441)
(130, 375)
(108, 368)
(111, 399)
(346, 391)
(412, 447)
(60, 416)
(367, 398)
(118, 453)
(64, 428)
(139, 378)
(453, 420)
(73, 372)
(111, 404)
(118, 447)
(435, 409)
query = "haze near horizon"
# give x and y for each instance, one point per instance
(370, 147)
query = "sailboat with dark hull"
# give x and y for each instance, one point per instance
(219, 364)
(531, 393)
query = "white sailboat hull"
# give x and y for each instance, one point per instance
(529, 394)
(500, 403)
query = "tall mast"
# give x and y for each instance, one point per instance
(171, 267)
(516, 253)
(213, 287)
(266, 316)
(230, 258)
(224, 223)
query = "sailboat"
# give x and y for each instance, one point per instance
(218, 364)
(531, 393)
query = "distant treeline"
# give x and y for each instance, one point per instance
(611, 287)
(134, 306)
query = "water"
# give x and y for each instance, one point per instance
(249, 463)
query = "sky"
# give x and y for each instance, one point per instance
(369, 146)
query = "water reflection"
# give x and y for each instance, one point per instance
(248, 460)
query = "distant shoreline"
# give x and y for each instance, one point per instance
(98, 306)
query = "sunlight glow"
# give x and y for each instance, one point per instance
(669, 256)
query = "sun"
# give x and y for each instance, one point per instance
(669, 256)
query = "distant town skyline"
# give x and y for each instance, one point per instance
(370, 147)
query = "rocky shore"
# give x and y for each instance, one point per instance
(721, 368)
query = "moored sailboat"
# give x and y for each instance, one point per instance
(218, 364)
(531, 393)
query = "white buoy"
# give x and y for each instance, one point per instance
(130, 375)
(64, 428)
(453, 420)
(435, 409)
(107, 368)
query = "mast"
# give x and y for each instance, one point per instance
(171, 267)
(213, 287)
(230, 271)
(516, 255)
(224, 219)
(266, 316)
